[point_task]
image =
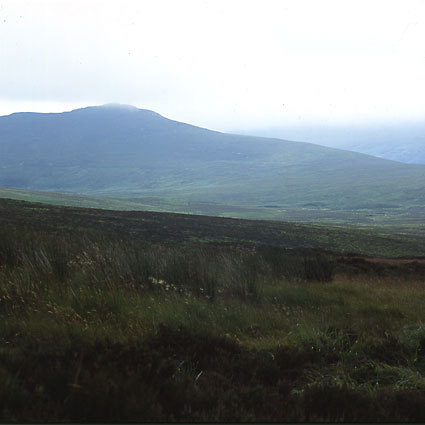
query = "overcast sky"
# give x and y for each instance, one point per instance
(219, 64)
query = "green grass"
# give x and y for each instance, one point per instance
(101, 325)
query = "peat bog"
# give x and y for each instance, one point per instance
(138, 316)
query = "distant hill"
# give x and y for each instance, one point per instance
(123, 151)
(410, 152)
(398, 142)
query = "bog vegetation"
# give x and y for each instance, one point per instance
(101, 326)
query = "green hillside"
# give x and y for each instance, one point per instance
(131, 153)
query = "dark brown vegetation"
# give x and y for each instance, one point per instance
(169, 228)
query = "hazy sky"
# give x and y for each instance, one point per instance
(219, 64)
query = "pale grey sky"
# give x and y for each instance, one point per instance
(224, 65)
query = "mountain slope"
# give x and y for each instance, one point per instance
(124, 151)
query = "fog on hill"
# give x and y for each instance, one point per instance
(398, 142)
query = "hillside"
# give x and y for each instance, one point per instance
(127, 152)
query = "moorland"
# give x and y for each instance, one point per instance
(147, 316)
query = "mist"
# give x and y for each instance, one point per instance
(223, 65)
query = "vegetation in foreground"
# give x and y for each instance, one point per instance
(103, 327)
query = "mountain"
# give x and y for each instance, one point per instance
(119, 150)
(403, 142)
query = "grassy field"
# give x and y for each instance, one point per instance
(125, 316)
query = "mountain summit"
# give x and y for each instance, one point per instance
(122, 150)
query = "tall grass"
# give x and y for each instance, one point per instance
(94, 328)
